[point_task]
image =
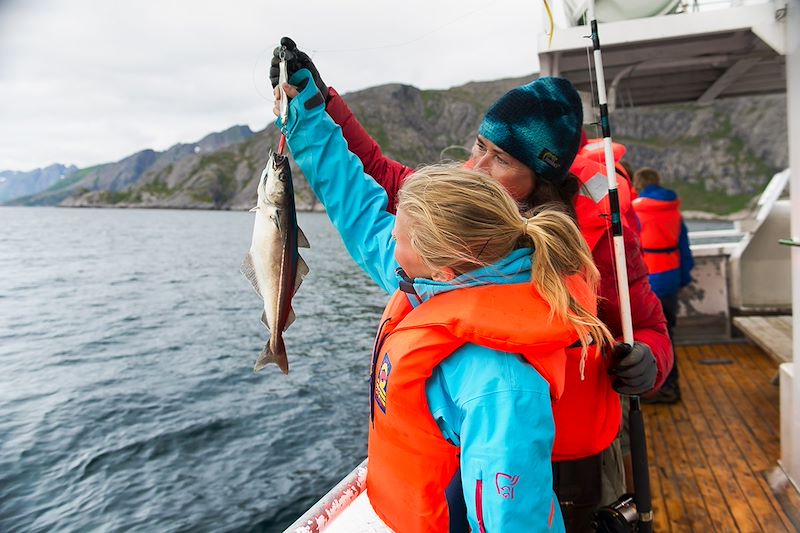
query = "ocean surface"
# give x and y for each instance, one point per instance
(127, 397)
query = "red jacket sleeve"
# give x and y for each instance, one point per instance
(649, 324)
(389, 173)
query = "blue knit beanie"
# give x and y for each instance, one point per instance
(539, 124)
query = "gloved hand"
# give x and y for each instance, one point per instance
(633, 369)
(295, 60)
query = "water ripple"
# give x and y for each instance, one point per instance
(127, 394)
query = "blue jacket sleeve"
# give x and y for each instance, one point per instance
(687, 260)
(497, 408)
(355, 203)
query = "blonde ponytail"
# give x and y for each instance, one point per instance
(559, 252)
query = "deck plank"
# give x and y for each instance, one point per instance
(711, 453)
(660, 459)
(757, 374)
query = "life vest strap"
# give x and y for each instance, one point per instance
(669, 250)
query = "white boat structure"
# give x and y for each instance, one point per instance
(697, 52)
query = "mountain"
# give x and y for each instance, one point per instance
(15, 184)
(114, 178)
(717, 156)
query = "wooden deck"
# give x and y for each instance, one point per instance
(710, 455)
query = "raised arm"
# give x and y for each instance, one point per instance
(387, 172)
(355, 204)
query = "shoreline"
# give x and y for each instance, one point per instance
(687, 215)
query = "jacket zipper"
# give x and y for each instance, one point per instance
(479, 504)
(375, 352)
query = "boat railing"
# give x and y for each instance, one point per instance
(333, 503)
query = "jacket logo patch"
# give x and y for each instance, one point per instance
(505, 485)
(550, 158)
(382, 383)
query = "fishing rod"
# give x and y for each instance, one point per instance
(641, 476)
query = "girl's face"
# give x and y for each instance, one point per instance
(517, 178)
(407, 258)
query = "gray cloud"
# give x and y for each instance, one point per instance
(91, 81)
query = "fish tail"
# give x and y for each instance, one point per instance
(273, 354)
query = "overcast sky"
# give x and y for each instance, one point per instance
(91, 81)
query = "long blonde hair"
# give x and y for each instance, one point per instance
(464, 220)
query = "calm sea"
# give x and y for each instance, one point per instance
(127, 397)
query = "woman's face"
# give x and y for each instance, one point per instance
(515, 176)
(407, 258)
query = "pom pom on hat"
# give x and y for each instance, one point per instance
(540, 124)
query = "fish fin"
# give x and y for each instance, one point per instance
(254, 209)
(276, 354)
(302, 267)
(302, 270)
(264, 319)
(249, 271)
(302, 240)
(290, 318)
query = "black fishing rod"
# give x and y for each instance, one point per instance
(641, 475)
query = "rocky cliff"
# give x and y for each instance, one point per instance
(718, 156)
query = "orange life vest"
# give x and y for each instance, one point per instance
(592, 204)
(410, 462)
(589, 414)
(594, 149)
(661, 232)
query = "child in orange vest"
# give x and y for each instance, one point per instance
(470, 353)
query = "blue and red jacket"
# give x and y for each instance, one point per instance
(665, 239)
(412, 462)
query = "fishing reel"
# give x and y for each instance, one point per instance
(619, 517)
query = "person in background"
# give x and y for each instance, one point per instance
(665, 244)
(528, 143)
(471, 348)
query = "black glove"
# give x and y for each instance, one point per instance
(295, 60)
(633, 369)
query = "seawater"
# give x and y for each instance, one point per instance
(127, 397)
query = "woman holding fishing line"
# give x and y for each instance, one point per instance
(529, 142)
(462, 378)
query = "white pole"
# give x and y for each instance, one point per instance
(793, 117)
(611, 173)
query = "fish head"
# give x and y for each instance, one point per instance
(275, 180)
